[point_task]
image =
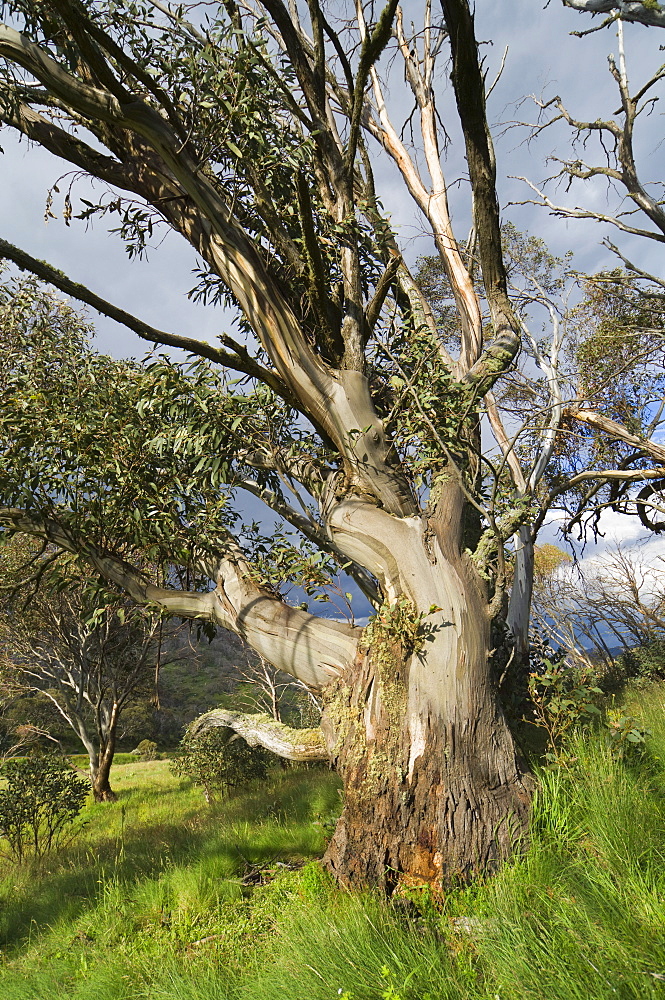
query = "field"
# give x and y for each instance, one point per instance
(164, 897)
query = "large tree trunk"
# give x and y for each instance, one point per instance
(434, 790)
(429, 798)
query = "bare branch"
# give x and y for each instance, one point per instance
(564, 211)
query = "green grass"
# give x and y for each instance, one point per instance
(153, 900)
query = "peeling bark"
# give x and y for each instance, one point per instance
(429, 797)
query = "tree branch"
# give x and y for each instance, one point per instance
(261, 730)
(314, 650)
(469, 87)
(46, 272)
(616, 430)
(649, 14)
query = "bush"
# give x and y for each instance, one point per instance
(146, 750)
(562, 697)
(219, 761)
(43, 797)
(626, 737)
(643, 662)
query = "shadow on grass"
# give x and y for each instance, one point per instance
(248, 828)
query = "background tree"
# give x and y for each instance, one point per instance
(87, 652)
(594, 341)
(607, 615)
(249, 134)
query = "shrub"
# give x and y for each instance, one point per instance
(219, 762)
(562, 698)
(626, 737)
(42, 798)
(146, 750)
(643, 662)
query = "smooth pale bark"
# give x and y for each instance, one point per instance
(314, 650)
(338, 402)
(613, 429)
(433, 786)
(643, 13)
(521, 592)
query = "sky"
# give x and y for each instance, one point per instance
(542, 59)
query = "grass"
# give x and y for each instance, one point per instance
(165, 898)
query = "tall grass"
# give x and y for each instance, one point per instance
(171, 900)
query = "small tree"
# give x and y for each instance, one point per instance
(609, 617)
(42, 798)
(84, 650)
(273, 691)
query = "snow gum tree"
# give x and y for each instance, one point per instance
(252, 130)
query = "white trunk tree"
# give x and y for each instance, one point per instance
(251, 136)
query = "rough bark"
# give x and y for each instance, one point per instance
(429, 798)
(100, 773)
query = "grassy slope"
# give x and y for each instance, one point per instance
(151, 902)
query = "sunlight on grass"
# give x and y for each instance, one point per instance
(165, 898)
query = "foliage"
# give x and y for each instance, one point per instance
(627, 738)
(563, 696)
(618, 347)
(41, 799)
(547, 560)
(646, 662)
(219, 762)
(396, 622)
